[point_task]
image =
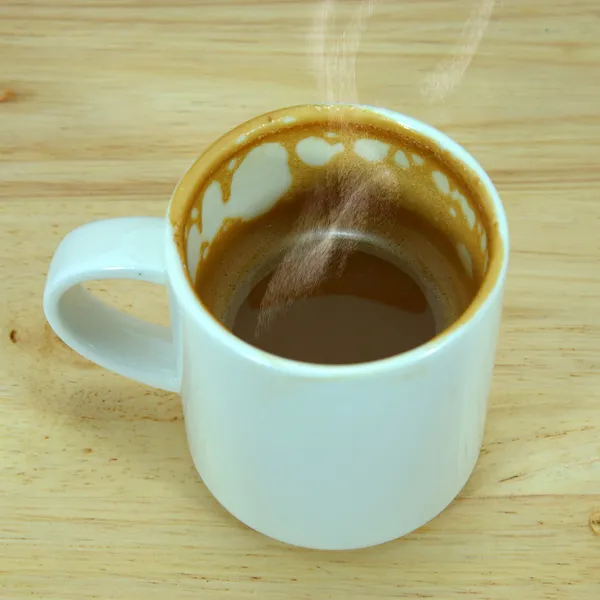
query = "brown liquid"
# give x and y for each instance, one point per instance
(392, 285)
(367, 310)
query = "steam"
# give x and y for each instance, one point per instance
(318, 245)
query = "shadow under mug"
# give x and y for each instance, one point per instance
(328, 457)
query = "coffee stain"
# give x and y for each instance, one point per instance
(448, 74)
(13, 336)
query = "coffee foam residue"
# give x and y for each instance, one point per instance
(343, 198)
(244, 252)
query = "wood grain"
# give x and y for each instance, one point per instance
(111, 101)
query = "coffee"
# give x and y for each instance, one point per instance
(368, 309)
(386, 288)
(370, 246)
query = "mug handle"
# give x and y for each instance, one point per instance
(128, 248)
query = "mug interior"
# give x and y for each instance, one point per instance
(252, 168)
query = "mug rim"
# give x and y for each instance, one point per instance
(183, 288)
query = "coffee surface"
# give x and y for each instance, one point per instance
(366, 309)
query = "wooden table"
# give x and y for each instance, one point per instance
(105, 104)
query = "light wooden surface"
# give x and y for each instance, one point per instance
(112, 100)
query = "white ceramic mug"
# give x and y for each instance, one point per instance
(329, 457)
